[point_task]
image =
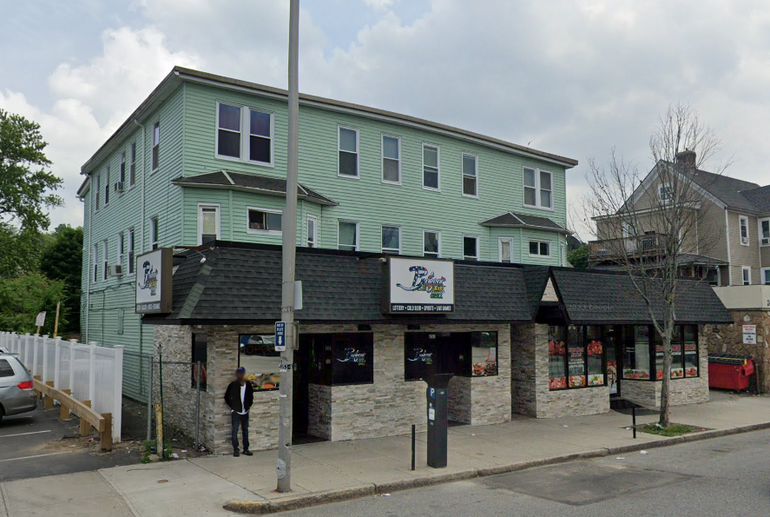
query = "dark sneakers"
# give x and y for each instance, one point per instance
(248, 453)
(236, 453)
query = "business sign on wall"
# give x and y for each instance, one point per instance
(420, 286)
(749, 334)
(153, 281)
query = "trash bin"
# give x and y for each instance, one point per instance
(730, 371)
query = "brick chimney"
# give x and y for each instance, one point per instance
(686, 159)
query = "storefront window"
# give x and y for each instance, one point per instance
(557, 354)
(677, 371)
(468, 354)
(658, 343)
(612, 340)
(484, 353)
(639, 355)
(595, 351)
(576, 357)
(636, 354)
(690, 350)
(341, 359)
(199, 354)
(256, 353)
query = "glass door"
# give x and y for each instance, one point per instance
(612, 349)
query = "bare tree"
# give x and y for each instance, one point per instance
(651, 227)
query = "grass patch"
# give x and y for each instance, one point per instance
(670, 431)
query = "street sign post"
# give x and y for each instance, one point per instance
(280, 336)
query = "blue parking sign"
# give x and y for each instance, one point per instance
(280, 336)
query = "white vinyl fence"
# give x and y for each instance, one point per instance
(91, 372)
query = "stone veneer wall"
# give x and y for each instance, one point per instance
(530, 394)
(387, 407)
(459, 398)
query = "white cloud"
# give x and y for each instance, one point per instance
(380, 5)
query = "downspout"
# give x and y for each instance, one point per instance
(89, 254)
(141, 212)
(727, 240)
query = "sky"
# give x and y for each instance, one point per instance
(571, 77)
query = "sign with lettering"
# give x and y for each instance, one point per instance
(749, 334)
(280, 336)
(420, 286)
(154, 272)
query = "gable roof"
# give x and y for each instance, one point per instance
(517, 220)
(760, 198)
(254, 183)
(726, 189)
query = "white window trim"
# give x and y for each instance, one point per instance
(462, 173)
(95, 259)
(121, 251)
(266, 210)
(153, 233)
(131, 251)
(390, 250)
(358, 153)
(358, 236)
(537, 187)
(743, 278)
(759, 231)
(153, 145)
(500, 241)
(123, 170)
(438, 166)
(742, 219)
(307, 231)
(763, 275)
(245, 134)
(132, 153)
(661, 188)
(438, 234)
(478, 246)
(540, 241)
(106, 186)
(97, 192)
(382, 158)
(218, 211)
(105, 259)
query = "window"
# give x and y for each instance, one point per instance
(122, 169)
(391, 239)
(105, 260)
(665, 193)
(95, 262)
(155, 146)
(6, 370)
(746, 275)
(208, 223)
(505, 249)
(431, 244)
(470, 175)
(540, 248)
(97, 191)
(468, 354)
(107, 185)
(766, 275)
(199, 355)
(470, 247)
(132, 166)
(312, 232)
(340, 359)
(391, 159)
(130, 251)
(538, 188)
(261, 220)
(636, 353)
(575, 357)
(154, 231)
(744, 226)
(347, 141)
(430, 167)
(256, 353)
(764, 232)
(121, 248)
(244, 134)
(643, 353)
(347, 236)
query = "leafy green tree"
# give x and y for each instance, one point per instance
(579, 257)
(61, 260)
(19, 250)
(23, 297)
(26, 186)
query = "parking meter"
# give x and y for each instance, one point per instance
(438, 419)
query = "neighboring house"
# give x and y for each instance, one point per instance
(203, 158)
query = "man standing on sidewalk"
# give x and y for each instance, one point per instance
(239, 397)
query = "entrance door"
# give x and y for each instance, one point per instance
(613, 341)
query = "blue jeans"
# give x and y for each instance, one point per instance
(243, 421)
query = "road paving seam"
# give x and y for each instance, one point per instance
(122, 495)
(337, 495)
(36, 456)
(4, 498)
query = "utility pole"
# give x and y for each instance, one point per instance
(289, 226)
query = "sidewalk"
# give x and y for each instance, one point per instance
(327, 471)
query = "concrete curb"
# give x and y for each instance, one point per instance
(345, 494)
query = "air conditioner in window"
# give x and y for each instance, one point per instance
(120, 187)
(744, 240)
(116, 270)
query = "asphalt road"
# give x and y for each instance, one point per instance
(724, 476)
(38, 444)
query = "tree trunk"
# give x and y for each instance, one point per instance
(665, 388)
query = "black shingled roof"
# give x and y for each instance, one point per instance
(760, 198)
(726, 189)
(250, 182)
(516, 220)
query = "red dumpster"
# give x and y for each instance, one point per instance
(730, 372)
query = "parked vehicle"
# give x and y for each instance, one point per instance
(256, 344)
(17, 393)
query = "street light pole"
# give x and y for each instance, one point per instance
(289, 227)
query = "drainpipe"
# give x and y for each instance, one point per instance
(141, 212)
(89, 254)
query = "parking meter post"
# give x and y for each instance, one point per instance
(414, 437)
(633, 419)
(438, 419)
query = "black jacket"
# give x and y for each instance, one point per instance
(233, 397)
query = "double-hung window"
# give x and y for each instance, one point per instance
(131, 251)
(538, 188)
(122, 170)
(312, 232)
(261, 220)
(97, 191)
(391, 239)
(105, 260)
(107, 185)
(470, 175)
(505, 249)
(431, 243)
(244, 134)
(665, 193)
(347, 236)
(743, 223)
(391, 159)
(132, 166)
(155, 147)
(347, 144)
(540, 248)
(95, 261)
(208, 223)
(154, 233)
(470, 247)
(121, 248)
(430, 167)
(764, 232)
(746, 275)
(765, 275)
